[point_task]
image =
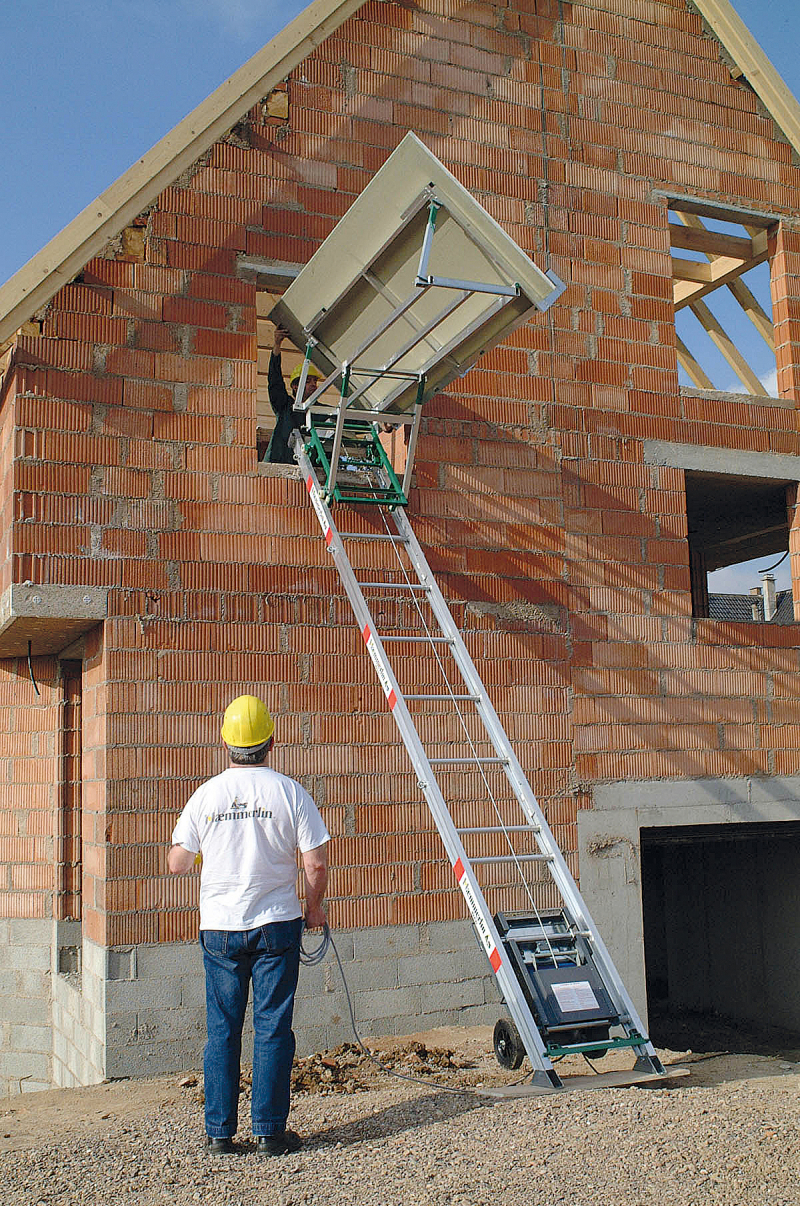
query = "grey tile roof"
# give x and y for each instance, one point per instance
(739, 608)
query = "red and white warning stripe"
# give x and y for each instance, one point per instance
(380, 668)
(480, 925)
(316, 502)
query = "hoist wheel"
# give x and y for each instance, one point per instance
(508, 1047)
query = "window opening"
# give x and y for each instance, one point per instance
(739, 525)
(721, 275)
(291, 358)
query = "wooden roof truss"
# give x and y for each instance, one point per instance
(727, 257)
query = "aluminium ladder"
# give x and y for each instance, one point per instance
(565, 942)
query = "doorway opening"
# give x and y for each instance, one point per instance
(721, 912)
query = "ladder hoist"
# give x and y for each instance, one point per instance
(560, 987)
(411, 287)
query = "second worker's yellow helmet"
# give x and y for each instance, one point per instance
(247, 723)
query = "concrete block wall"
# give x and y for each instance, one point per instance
(402, 979)
(25, 1024)
(79, 1015)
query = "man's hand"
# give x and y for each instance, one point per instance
(277, 339)
(315, 919)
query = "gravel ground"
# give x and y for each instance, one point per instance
(727, 1134)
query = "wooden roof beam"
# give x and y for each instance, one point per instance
(746, 299)
(712, 242)
(728, 349)
(691, 367)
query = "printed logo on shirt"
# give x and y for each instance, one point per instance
(239, 810)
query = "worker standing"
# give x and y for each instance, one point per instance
(282, 401)
(248, 824)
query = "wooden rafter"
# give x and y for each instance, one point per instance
(746, 299)
(754, 64)
(692, 369)
(728, 348)
(693, 280)
(711, 242)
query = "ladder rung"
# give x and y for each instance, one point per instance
(395, 585)
(373, 536)
(503, 829)
(459, 698)
(514, 858)
(466, 761)
(428, 640)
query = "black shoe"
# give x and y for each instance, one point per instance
(220, 1146)
(279, 1144)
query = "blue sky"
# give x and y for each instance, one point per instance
(89, 85)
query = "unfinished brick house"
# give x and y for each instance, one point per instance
(570, 493)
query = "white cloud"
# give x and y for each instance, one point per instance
(770, 383)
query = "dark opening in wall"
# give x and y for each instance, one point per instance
(732, 520)
(70, 862)
(721, 910)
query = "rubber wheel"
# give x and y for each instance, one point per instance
(508, 1048)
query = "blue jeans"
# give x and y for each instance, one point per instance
(270, 956)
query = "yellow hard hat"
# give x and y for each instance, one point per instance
(297, 370)
(247, 723)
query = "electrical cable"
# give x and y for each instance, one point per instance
(30, 667)
(311, 958)
(770, 568)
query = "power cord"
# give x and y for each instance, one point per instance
(311, 959)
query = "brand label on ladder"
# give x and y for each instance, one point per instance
(380, 669)
(480, 924)
(316, 503)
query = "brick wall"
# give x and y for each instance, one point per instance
(564, 552)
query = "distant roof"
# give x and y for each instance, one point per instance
(70, 250)
(739, 608)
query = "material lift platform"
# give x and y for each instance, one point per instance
(382, 313)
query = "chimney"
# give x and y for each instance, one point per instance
(756, 604)
(768, 590)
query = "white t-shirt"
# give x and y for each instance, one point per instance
(249, 823)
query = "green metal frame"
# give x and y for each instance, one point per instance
(363, 434)
(390, 496)
(633, 1040)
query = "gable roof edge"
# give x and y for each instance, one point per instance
(754, 64)
(71, 249)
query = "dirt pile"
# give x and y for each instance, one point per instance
(349, 1068)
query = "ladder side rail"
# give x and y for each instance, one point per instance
(484, 924)
(519, 782)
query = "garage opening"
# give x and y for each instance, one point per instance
(721, 910)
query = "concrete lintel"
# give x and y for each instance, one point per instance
(773, 466)
(719, 209)
(662, 795)
(724, 395)
(267, 273)
(49, 617)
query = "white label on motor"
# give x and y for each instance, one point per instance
(575, 998)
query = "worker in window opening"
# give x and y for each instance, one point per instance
(245, 827)
(282, 400)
